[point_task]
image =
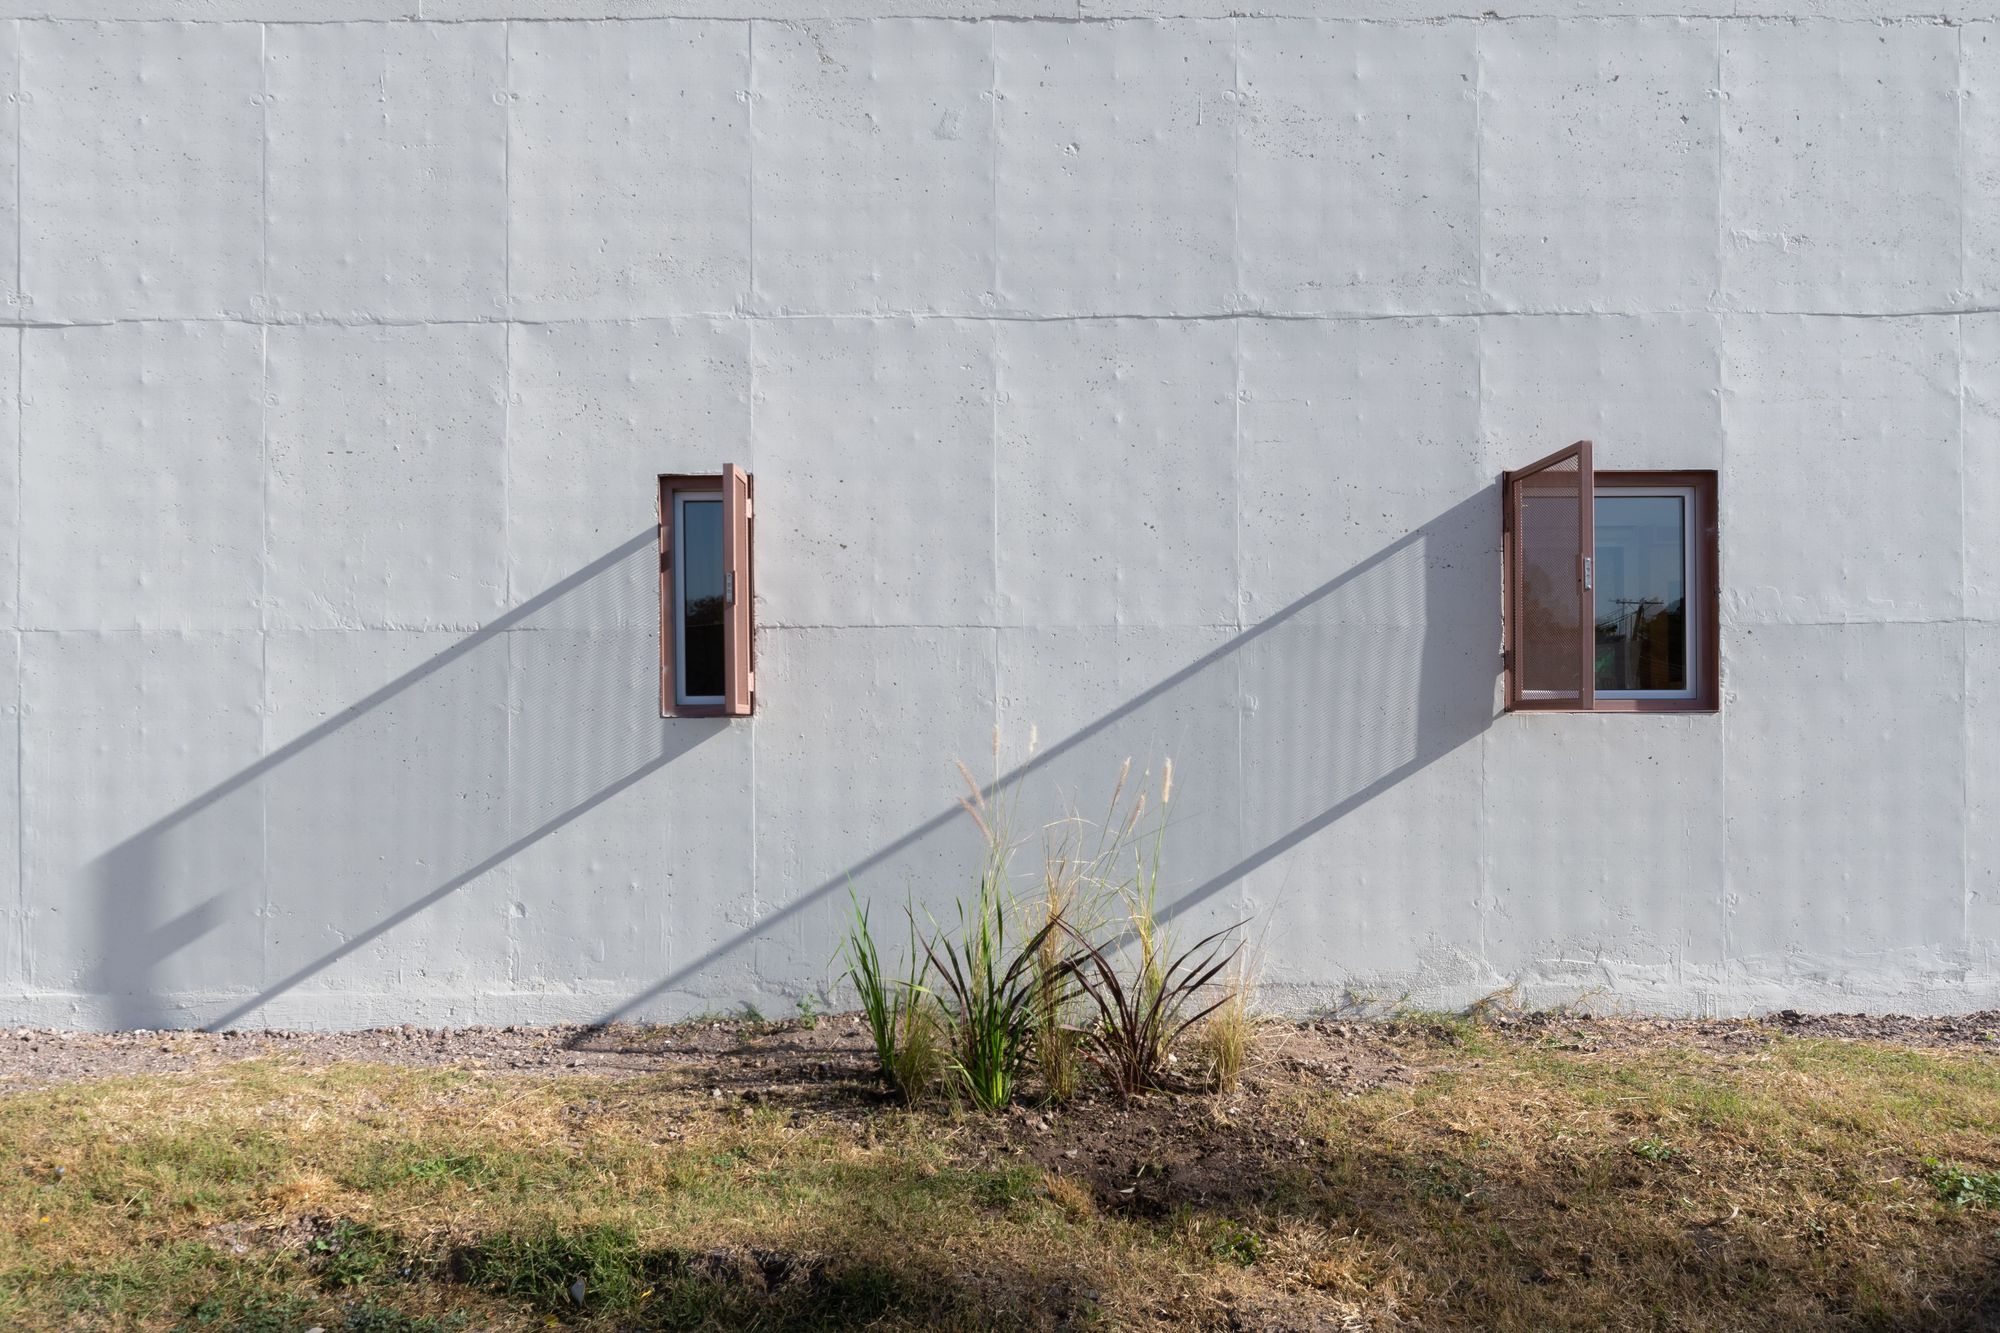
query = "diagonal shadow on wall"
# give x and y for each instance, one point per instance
(348, 843)
(1329, 703)
(315, 854)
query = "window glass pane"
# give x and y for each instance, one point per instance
(1641, 592)
(701, 628)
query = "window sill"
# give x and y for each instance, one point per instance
(1618, 706)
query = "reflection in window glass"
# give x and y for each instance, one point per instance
(699, 536)
(1642, 614)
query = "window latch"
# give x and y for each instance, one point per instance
(729, 588)
(1586, 573)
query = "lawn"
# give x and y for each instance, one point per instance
(1544, 1173)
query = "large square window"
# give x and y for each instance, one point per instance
(1610, 588)
(706, 596)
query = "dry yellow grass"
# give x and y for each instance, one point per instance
(1224, 1039)
(1433, 1175)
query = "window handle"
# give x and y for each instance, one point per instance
(1586, 573)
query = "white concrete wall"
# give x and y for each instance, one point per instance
(1119, 369)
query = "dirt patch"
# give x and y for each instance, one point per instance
(835, 1048)
(1145, 1159)
(762, 1059)
(1572, 1032)
(1979, 1029)
(1159, 1152)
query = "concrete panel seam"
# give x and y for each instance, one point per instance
(1236, 474)
(1740, 621)
(993, 212)
(358, 627)
(993, 395)
(263, 164)
(264, 736)
(795, 627)
(1723, 922)
(20, 672)
(507, 180)
(1236, 482)
(990, 317)
(512, 925)
(1236, 173)
(1966, 788)
(507, 14)
(1958, 127)
(1721, 175)
(1479, 162)
(1965, 622)
(754, 888)
(15, 299)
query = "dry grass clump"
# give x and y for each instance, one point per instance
(917, 1055)
(1225, 1037)
(1056, 1043)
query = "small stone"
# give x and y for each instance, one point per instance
(576, 1290)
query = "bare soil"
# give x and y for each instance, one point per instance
(746, 1055)
(1735, 1034)
(834, 1048)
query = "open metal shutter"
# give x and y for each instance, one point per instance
(1550, 539)
(739, 678)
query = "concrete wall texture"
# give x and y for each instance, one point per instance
(1128, 371)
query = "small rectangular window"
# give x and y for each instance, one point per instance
(1611, 588)
(706, 595)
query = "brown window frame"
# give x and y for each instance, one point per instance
(737, 490)
(1704, 594)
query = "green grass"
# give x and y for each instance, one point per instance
(1509, 1185)
(1961, 1188)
